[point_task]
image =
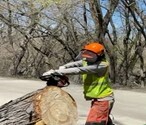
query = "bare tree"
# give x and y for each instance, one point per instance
(39, 34)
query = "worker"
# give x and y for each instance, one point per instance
(94, 67)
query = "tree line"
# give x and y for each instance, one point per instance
(36, 36)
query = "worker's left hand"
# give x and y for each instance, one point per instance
(49, 72)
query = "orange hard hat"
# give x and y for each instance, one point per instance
(94, 47)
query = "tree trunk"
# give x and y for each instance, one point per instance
(50, 105)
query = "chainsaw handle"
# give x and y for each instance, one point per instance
(45, 78)
(56, 80)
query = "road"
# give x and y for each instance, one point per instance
(129, 108)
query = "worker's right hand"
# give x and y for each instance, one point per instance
(61, 67)
(49, 72)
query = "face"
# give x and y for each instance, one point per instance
(90, 57)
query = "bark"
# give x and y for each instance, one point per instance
(132, 11)
(139, 52)
(101, 26)
(85, 18)
(9, 26)
(50, 106)
(126, 46)
(113, 57)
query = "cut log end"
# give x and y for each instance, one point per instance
(56, 107)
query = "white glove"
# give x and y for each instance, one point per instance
(49, 72)
(62, 67)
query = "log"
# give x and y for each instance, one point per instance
(48, 106)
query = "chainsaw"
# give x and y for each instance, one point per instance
(56, 79)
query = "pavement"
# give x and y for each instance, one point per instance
(129, 108)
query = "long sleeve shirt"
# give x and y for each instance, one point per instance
(74, 68)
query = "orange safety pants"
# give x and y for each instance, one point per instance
(99, 113)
